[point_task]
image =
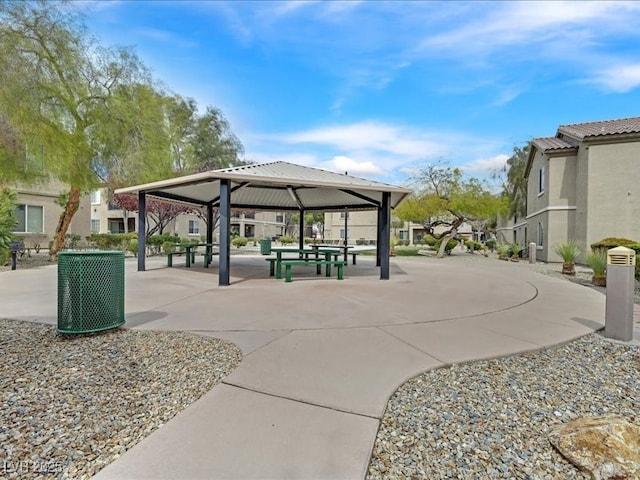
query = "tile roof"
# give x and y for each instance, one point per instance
(546, 144)
(621, 126)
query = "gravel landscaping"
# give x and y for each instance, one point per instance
(70, 405)
(490, 419)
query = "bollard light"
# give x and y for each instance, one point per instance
(620, 285)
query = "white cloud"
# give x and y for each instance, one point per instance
(619, 79)
(370, 136)
(486, 165)
(343, 164)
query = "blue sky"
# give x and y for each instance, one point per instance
(380, 88)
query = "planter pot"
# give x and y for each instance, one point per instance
(568, 268)
(599, 280)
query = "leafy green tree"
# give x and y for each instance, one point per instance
(7, 222)
(515, 185)
(215, 146)
(59, 90)
(446, 198)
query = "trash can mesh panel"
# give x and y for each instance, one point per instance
(90, 291)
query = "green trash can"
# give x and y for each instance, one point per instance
(265, 246)
(90, 291)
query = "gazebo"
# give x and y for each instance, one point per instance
(271, 186)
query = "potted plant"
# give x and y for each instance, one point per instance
(597, 261)
(568, 252)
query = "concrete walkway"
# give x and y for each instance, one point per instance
(321, 357)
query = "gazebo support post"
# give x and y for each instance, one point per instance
(209, 229)
(142, 230)
(385, 232)
(378, 237)
(301, 229)
(225, 227)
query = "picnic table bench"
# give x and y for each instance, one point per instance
(288, 263)
(305, 256)
(189, 250)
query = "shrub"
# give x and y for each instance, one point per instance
(515, 249)
(503, 250)
(287, 240)
(451, 244)
(597, 261)
(477, 246)
(429, 240)
(361, 241)
(490, 244)
(71, 240)
(7, 222)
(133, 246)
(567, 251)
(636, 247)
(169, 247)
(610, 242)
(239, 242)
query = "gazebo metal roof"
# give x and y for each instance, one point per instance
(275, 186)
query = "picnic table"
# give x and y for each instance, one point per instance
(342, 249)
(305, 256)
(189, 250)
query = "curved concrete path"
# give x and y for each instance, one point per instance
(322, 357)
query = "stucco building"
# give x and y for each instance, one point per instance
(582, 184)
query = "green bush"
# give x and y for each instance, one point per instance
(490, 244)
(239, 242)
(503, 250)
(110, 241)
(287, 240)
(169, 247)
(636, 247)
(610, 242)
(7, 223)
(597, 261)
(429, 240)
(451, 244)
(71, 240)
(514, 250)
(133, 246)
(361, 241)
(477, 246)
(567, 251)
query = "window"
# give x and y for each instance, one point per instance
(250, 215)
(404, 234)
(30, 219)
(540, 234)
(279, 217)
(342, 233)
(95, 197)
(342, 215)
(541, 181)
(95, 226)
(194, 227)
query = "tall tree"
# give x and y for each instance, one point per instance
(55, 83)
(446, 198)
(514, 187)
(215, 145)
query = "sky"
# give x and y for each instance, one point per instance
(381, 89)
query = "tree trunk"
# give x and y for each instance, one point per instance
(70, 209)
(445, 241)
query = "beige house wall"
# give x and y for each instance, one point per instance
(45, 195)
(614, 192)
(360, 225)
(583, 200)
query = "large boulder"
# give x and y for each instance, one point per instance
(608, 447)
